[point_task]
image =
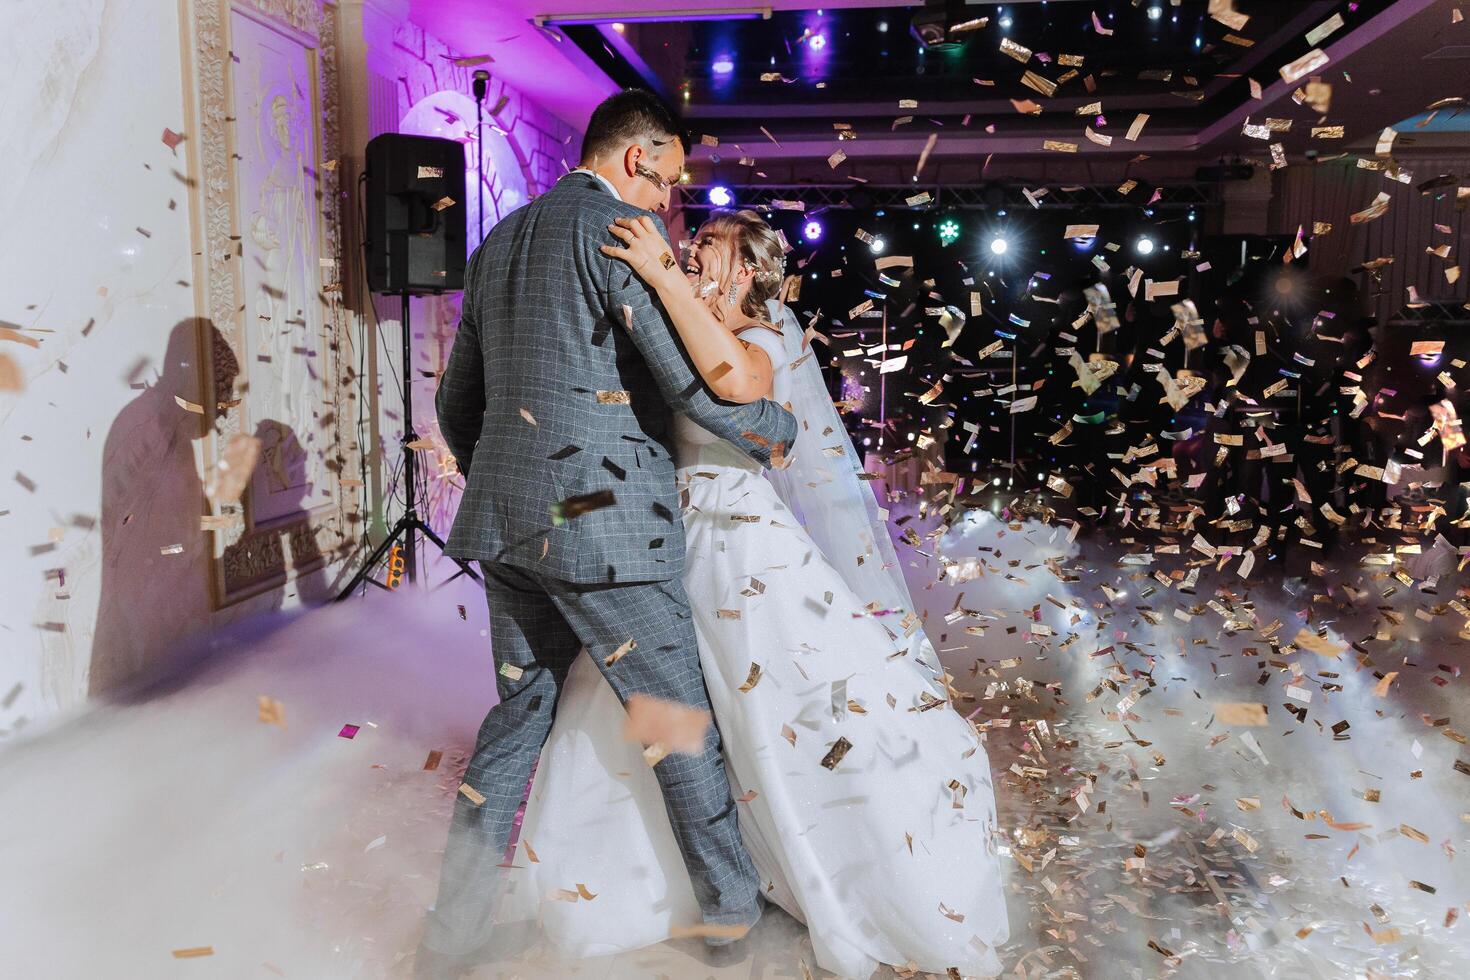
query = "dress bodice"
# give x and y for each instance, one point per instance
(694, 445)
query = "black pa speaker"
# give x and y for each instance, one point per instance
(415, 214)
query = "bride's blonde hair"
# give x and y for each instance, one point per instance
(748, 241)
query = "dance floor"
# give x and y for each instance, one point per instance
(1152, 832)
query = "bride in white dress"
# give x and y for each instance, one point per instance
(864, 798)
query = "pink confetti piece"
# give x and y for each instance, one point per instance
(348, 731)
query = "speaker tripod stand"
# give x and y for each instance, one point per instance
(410, 523)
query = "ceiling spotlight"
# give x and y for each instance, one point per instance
(878, 244)
(722, 66)
(1144, 246)
(882, 27)
(818, 42)
(998, 245)
(1155, 12)
(812, 231)
(949, 231)
(720, 196)
(931, 26)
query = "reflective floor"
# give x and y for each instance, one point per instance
(1161, 824)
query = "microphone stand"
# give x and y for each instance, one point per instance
(482, 78)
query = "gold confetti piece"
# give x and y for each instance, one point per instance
(1308, 640)
(719, 371)
(270, 711)
(746, 797)
(189, 406)
(576, 506)
(835, 755)
(530, 852)
(1241, 713)
(586, 895)
(727, 613)
(1377, 209)
(670, 726)
(950, 913)
(1014, 50)
(1059, 146)
(621, 652)
(443, 203)
(471, 794)
(1413, 833)
(511, 672)
(193, 951)
(432, 762)
(705, 929)
(613, 398)
(1380, 690)
(789, 734)
(1313, 60)
(10, 376)
(529, 417)
(654, 754)
(471, 60)
(708, 140)
(752, 679)
(171, 549)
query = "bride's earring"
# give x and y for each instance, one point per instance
(734, 289)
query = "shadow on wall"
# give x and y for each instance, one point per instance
(156, 558)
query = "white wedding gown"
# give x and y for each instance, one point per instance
(887, 856)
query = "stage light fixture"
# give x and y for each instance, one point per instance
(1155, 12)
(1144, 245)
(998, 246)
(818, 42)
(949, 231)
(878, 244)
(722, 66)
(720, 196)
(812, 231)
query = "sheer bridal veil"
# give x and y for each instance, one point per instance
(821, 487)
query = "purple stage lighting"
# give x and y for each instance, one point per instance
(818, 42)
(812, 231)
(723, 66)
(720, 196)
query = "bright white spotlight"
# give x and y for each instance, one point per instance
(812, 231)
(720, 196)
(1154, 13)
(878, 245)
(998, 245)
(1144, 245)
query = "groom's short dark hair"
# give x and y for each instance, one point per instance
(629, 117)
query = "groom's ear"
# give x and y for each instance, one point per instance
(632, 154)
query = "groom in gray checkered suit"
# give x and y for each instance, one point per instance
(557, 404)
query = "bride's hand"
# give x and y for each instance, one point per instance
(644, 249)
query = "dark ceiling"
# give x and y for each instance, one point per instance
(1183, 67)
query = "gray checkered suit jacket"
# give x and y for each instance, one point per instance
(553, 328)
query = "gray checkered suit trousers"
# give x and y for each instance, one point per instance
(537, 627)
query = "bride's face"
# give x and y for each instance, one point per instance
(708, 260)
